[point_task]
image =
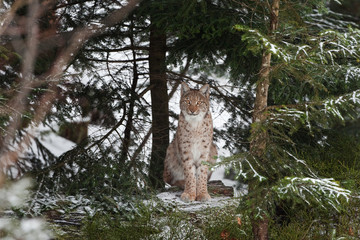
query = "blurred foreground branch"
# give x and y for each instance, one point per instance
(8, 153)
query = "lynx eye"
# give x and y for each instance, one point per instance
(187, 101)
(199, 103)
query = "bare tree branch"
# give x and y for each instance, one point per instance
(53, 76)
(26, 72)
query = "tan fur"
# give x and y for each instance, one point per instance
(192, 145)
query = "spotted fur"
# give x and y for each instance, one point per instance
(192, 145)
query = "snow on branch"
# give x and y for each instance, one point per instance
(325, 47)
(54, 74)
(338, 108)
(312, 191)
(281, 123)
(334, 44)
(257, 43)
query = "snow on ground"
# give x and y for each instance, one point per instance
(173, 198)
(219, 174)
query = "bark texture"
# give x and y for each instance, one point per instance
(259, 139)
(160, 105)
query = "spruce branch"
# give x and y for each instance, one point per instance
(53, 76)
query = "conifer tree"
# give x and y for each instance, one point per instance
(295, 80)
(45, 73)
(297, 66)
(289, 58)
(159, 105)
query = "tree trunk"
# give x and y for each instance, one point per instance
(129, 123)
(259, 138)
(159, 104)
(258, 143)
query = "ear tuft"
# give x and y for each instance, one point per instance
(205, 90)
(184, 88)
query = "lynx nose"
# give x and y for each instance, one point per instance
(192, 109)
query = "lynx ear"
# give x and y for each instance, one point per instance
(205, 90)
(184, 88)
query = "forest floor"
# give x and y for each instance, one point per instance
(221, 195)
(164, 217)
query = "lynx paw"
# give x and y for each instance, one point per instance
(203, 197)
(186, 197)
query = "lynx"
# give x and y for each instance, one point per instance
(192, 145)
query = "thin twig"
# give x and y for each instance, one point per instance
(78, 39)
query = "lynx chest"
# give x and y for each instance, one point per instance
(196, 137)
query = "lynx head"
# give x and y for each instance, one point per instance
(194, 103)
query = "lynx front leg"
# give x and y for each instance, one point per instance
(201, 183)
(189, 193)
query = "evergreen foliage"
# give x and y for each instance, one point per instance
(307, 71)
(13, 195)
(314, 89)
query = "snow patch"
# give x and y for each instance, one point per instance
(173, 198)
(56, 144)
